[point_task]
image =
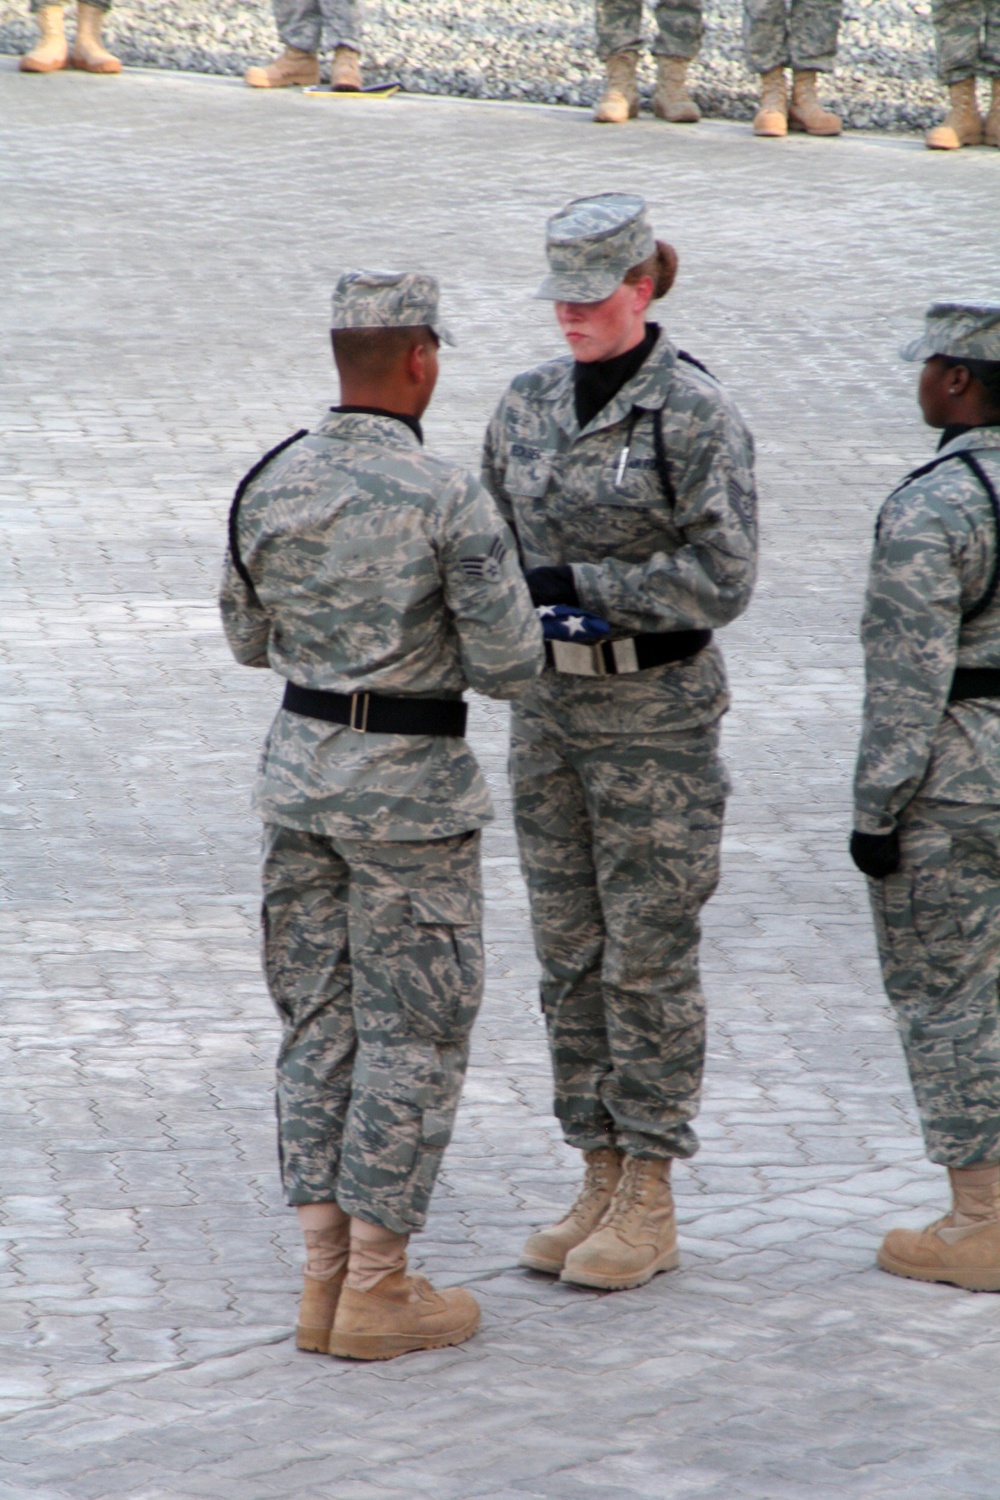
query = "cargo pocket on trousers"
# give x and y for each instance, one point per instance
(439, 982)
(705, 832)
(935, 915)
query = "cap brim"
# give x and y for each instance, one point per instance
(584, 287)
(917, 349)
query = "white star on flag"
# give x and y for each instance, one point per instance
(546, 611)
(574, 625)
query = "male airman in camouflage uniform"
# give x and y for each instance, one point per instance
(619, 43)
(796, 34)
(301, 24)
(927, 787)
(379, 582)
(647, 515)
(967, 41)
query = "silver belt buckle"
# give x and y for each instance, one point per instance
(625, 656)
(577, 659)
(359, 713)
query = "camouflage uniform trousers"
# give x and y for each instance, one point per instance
(36, 5)
(619, 840)
(374, 959)
(966, 38)
(678, 27)
(797, 34)
(937, 921)
(301, 23)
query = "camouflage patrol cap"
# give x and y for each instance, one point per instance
(388, 299)
(592, 243)
(962, 330)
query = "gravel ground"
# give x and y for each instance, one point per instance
(538, 50)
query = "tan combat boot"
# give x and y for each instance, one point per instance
(88, 54)
(806, 112)
(637, 1236)
(50, 52)
(399, 1314)
(963, 1247)
(620, 100)
(326, 1229)
(292, 68)
(963, 124)
(671, 100)
(547, 1250)
(991, 135)
(345, 70)
(772, 116)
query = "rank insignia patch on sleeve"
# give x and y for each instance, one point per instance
(744, 502)
(487, 567)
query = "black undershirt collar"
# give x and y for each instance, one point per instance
(379, 411)
(597, 383)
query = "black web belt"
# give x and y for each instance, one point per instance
(372, 713)
(975, 682)
(636, 654)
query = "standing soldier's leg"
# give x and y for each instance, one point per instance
(937, 921)
(415, 936)
(555, 840)
(300, 27)
(308, 974)
(678, 37)
(813, 28)
(990, 66)
(958, 29)
(765, 37)
(619, 42)
(50, 53)
(657, 810)
(343, 20)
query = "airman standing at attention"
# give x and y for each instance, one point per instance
(927, 787)
(301, 24)
(51, 52)
(967, 41)
(619, 42)
(379, 582)
(626, 473)
(796, 34)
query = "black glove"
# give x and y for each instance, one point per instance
(552, 586)
(876, 854)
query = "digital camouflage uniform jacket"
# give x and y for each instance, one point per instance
(935, 547)
(645, 561)
(375, 568)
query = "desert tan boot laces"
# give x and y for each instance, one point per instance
(620, 100)
(400, 1314)
(962, 1248)
(89, 54)
(637, 1237)
(991, 135)
(963, 124)
(293, 68)
(805, 112)
(50, 52)
(547, 1249)
(772, 116)
(345, 70)
(671, 100)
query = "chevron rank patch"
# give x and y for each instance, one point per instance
(488, 566)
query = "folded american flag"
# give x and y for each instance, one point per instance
(561, 622)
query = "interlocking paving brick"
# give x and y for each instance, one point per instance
(170, 244)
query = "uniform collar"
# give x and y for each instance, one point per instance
(647, 389)
(370, 424)
(971, 438)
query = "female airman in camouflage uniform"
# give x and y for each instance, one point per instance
(627, 476)
(927, 787)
